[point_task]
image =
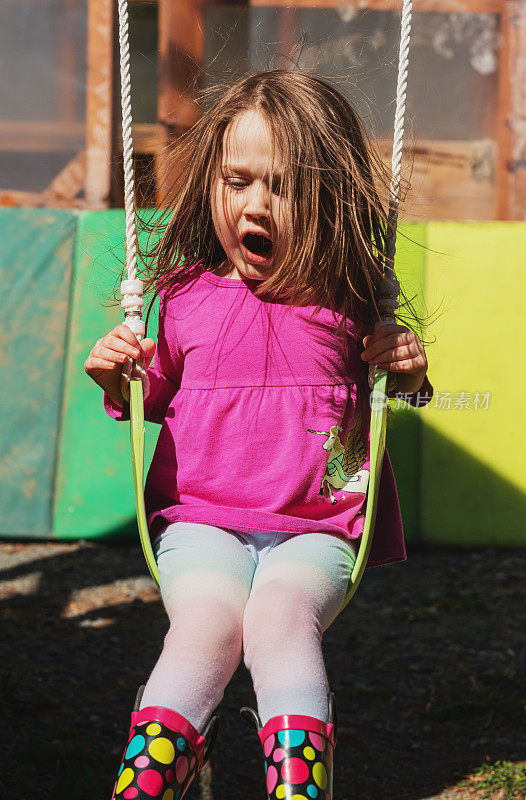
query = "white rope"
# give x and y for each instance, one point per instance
(390, 287)
(132, 288)
(133, 320)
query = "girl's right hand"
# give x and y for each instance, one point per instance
(105, 361)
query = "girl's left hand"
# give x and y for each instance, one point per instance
(397, 349)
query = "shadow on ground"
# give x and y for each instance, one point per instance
(428, 665)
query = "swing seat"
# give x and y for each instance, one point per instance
(376, 454)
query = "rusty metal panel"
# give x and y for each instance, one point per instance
(36, 257)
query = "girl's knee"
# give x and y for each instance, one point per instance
(206, 624)
(278, 612)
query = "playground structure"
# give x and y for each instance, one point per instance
(469, 56)
(62, 240)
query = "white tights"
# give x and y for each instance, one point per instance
(265, 596)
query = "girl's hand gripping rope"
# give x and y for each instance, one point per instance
(398, 350)
(105, 361)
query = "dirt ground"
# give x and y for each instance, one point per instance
(428, 665)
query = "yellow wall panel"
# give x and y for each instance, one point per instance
(474, 477)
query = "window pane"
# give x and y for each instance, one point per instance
(144, 60)
(453, 75)
(452, 87)
(42, 89)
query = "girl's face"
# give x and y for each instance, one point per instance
(243, 204)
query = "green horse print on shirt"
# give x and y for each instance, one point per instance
(344, 464)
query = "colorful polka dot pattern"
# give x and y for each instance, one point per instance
(298, 765)
(158, 764)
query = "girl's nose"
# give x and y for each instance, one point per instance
(258, 198)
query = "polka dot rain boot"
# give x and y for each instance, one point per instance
(163, 755)
(298, 754)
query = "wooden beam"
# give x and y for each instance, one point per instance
(287, 28)
(70, 181)
(99, 109)
(147, 138)
(503, 116)
(515, 208)
(450, 180)
(14, 199)
(441, 6)
(62, 192)
(181, 45)
(181, 34)
(43, 136)
(40, 136)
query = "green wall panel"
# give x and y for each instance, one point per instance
(474, 480)
(65, 466)
(404, 431)
(94, 491)
(36, 257)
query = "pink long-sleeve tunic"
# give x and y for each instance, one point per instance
(264, 422)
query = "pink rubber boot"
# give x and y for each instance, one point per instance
(298, 754)
(163, 755)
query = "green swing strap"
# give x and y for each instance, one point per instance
(376, 457)
(137, 454)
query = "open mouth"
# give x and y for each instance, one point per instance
(257, 243)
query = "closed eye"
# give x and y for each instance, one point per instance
(235, 185)
(240, 184)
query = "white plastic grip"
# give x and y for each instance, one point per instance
(134, 286)
(132, 301)
(132, 289)
(136, 325)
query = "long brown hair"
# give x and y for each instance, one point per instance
(332, 173)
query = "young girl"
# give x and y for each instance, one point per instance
(269, 274)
